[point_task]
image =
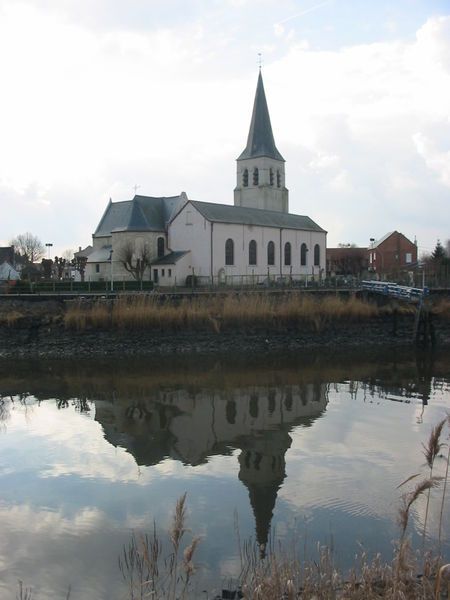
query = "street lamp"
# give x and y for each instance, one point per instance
(48, 246)
(111, 263)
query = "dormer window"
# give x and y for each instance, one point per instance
(255, 176)
(278, 178)
(245, 178)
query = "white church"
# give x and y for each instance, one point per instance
(255, 240)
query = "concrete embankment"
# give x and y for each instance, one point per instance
(39, 329)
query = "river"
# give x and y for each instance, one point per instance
(301, 448)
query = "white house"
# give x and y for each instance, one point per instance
(8, 272)
(253, 240)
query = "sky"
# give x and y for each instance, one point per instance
(99, 97)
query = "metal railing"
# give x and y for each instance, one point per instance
(394, 290)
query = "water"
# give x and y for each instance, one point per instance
(307, 447)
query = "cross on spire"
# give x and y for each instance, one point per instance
(259, 60)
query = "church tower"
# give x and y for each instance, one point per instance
(260, 167)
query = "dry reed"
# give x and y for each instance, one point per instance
(217, 314)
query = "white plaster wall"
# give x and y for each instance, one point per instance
(191, 231)
(194, 232)
(178, 272)
(263, 195)
(243, 234)
(118, 240)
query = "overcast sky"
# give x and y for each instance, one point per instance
(98, 96)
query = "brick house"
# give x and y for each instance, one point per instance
(347, 261)
(392, 254)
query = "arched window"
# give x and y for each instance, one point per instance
(287, 253)
(252, 253)
(229, 252)
(245, 178)
(303, 255)
(278, 178)
(270, 253)
(271, 176)
(255, 176)
(317, 255)
(160, 244)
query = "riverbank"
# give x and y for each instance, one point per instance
(143, 325)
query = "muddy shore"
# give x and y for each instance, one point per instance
(37, 330)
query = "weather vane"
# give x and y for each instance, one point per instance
(260, 60)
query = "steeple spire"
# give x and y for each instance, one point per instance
(260, 140)
(260, 175)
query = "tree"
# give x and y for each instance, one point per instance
(47, 267)
(79, 264)
(438, 255)
(60, 263)
(29, 246)
(135, 261)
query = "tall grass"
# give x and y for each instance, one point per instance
(283, 575)
(218, 313)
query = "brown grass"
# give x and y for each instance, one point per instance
(442, 308)
(281, 574)
(11, 318)
(218, 314)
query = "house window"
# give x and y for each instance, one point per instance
(408, 258)
(255, 176)
(170, 272)
(270, 253)
(229, 252)
(271, 176)
(303, 255)
(188, 217)
(287, 253)
(252, 253)
(160, 244)
(278, 178)
(97, 268)
(245, 178)
(317, 255)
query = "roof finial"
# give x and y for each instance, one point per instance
(260, 60)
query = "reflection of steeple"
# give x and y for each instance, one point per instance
(191, 425)
(262, 471)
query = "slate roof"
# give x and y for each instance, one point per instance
(7, 254)
(142, 213)
(225, 213)
(102, 254)
(260, 140)
(381, 240)
(171, 258)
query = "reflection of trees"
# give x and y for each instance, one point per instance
(6, 402)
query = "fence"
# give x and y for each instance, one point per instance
(75, 287)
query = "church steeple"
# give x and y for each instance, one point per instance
(260, 141)
(260, 167)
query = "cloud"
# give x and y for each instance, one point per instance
(95, 107)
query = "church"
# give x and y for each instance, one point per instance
(177, 240)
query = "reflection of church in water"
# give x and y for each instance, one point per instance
(193, 425)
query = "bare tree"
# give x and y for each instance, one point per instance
(60, 263)
(68, 255)
(135, 261)
(29, 246)
(79, 264)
